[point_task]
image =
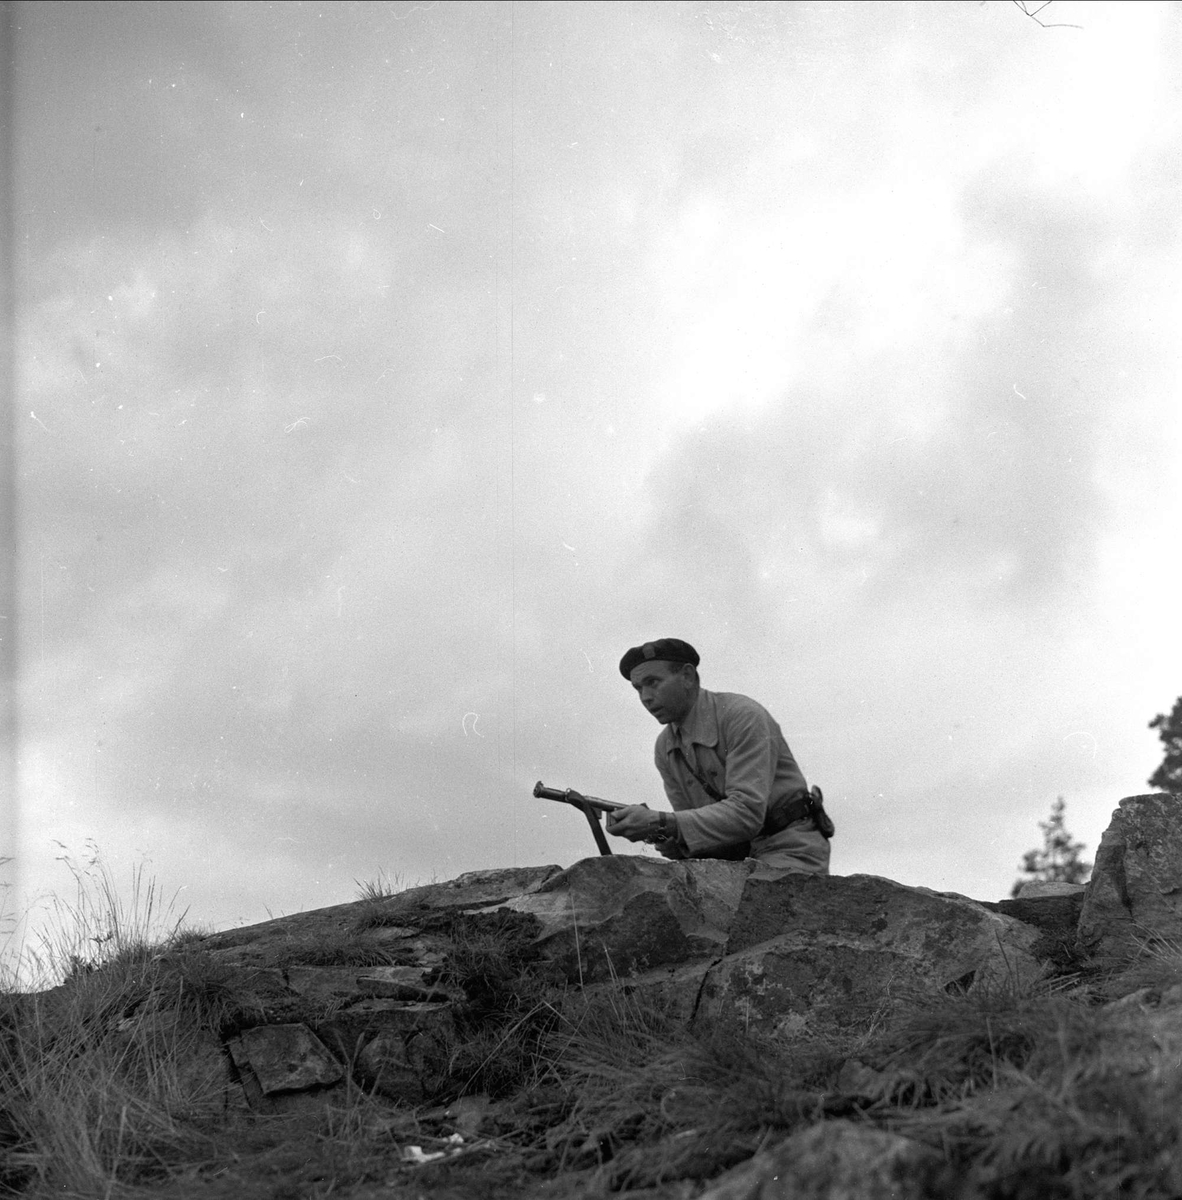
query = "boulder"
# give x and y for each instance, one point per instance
(610, 917)
(1135, 894)
(810, 952)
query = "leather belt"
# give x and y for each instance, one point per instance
(783, 815)
(778, 819)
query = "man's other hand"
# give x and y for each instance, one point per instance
(635, 822)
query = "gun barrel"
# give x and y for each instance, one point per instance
(576, 798)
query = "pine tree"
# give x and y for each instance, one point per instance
(1059, 859)
(1168, 777)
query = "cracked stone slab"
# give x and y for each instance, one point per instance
(285, 1058)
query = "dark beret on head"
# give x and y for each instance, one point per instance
(672, 650)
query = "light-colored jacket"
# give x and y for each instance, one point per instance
(735, 744)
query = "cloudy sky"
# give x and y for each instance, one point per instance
(386, 370)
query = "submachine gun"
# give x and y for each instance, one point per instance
(592, 808)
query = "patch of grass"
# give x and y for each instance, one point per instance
(952, 1045)
(650, 1102)
(1154, 968)
(98, 925)
(381, 888)
(345, 952)
(1079, 1132)
(104, 1081)
(113, 1070)
(373, 913)
(1041, 1090)
(1029, 1092)
(202, 987)
(498, 1058)
(510, 1001)
(493, 958)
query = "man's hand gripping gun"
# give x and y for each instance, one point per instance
(592, 807)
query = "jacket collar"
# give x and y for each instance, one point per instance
(700, 727)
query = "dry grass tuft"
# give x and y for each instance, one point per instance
(651, 1103)
(1046, 1089)
(113, 1070)
(105, 1082)
(381, 888)
(98, 925)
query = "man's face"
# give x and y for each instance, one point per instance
(667, 690)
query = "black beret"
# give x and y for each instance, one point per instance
(665, 649)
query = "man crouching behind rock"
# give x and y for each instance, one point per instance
(735, 788)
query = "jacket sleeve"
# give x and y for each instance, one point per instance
(748, 735)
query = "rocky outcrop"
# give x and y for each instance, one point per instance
(1135, 894)
(385, 990)
(388, 991)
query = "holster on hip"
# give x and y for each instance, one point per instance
(780, 815)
